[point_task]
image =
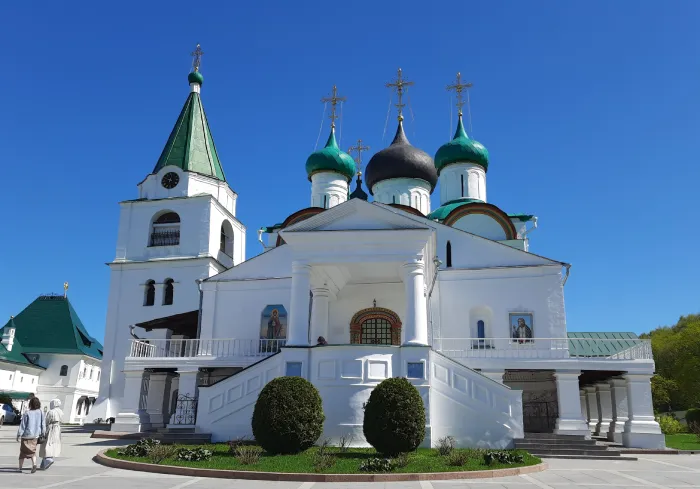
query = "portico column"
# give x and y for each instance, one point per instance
(319, 314)
(129, 417)
(584, 405)
(158, 390)
(604, 409)
(593, 416)
(187, 388)
(641, 429)
(416, 322)
(570, 420)
(618, 390)
(298, 327)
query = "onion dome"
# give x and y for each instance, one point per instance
(461, 150)
(331, 158)
(195, 77)
(400, 160)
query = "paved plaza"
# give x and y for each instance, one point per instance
(76, 470)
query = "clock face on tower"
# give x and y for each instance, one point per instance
(170, 180)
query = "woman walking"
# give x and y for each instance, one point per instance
(52, 447)
(30, 429)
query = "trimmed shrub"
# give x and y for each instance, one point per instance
(139, 449)
(669, 425)
(394, 417)
(692, 416)
(288, 416)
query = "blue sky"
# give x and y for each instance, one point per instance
(589, 111)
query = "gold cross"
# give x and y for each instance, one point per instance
(399, 85)
(197, 57)
(459, 87)
(358, 149)
(333, 99)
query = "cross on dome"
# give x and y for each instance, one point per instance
(333, 99)
(399, 85)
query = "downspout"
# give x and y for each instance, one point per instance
(534, 226)
(260, 233)
(201, 300)
(437, 262)
(566, 277)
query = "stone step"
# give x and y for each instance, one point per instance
(529, 446)
(553, 436)
(586, 457)
(556, 441)
(544, 452)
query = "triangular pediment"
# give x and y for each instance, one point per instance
(357, 215)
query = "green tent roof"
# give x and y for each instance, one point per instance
(190, 145)
(51, 325)
(584, 344)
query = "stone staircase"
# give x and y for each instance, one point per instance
(181, 436)
(550, 445)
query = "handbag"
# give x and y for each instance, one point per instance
(42, 436)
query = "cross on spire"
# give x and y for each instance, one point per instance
(458, 87)
(358, 149)
(197, 57)
(399, 85)
(333, 99)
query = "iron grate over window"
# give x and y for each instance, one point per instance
(165, 238)
(376, 332)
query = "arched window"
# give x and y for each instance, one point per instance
(375, 326)
(165, 230)
(448, 252)
(169, 290)
(150, 295)
(64, 370)
(226, 245)
(98, 374)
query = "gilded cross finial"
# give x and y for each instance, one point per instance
(458, 87)
(399, 85)
(358, 149)
(197, 57)
(333, 99)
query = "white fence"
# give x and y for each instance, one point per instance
(195, 347)
(545, 348)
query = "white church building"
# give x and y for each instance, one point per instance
(350, 291)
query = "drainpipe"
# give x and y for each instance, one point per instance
(260, 233)
(201, 300)
(566, 277)
(534, 226)
(437, 262)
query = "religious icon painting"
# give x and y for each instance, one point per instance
(521, 329)
(273, 324)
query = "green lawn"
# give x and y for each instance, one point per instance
(683, 441)
(424, 460)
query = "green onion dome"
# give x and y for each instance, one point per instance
(195, 77)
(461, 150)
(330, 158)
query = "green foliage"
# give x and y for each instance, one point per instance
(376, 464)
(692, 416)
(139, 449)
(322, 459)
(288, 416)
(446, 445)
(196, 454)
(5, 399)
(247, 454)
(677, 357)
(502, 457)
(394, 417)
(159, 452)
(669, 425)
(457, 458)
(694, 428)
(402, 460)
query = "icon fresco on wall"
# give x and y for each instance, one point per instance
(521, 327)
(274, 323)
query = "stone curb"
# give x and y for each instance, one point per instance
(647, 451)
(114, 463)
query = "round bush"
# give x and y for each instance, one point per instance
(394, 417)
(288, 416)
(692, 416)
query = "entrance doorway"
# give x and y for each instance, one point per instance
(540, 403)
(375, 326)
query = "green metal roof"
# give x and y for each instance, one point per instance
(461, 149)
(441, 212)
(585, 344)
(16, 395)
(51, 325)
(522, 217)
(331, 158)
(190, 145)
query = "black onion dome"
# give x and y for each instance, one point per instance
(400, 160)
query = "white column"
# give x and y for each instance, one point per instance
(416, 321)
(298, 327)
(570, 420)
(584, 405)
(641, 429)
(128, 419)
(319, 314)
(496, 375)
(187, 386)
(618, 390)
(593, 416)
(604, 409)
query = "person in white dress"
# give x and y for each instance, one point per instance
(52, 447)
